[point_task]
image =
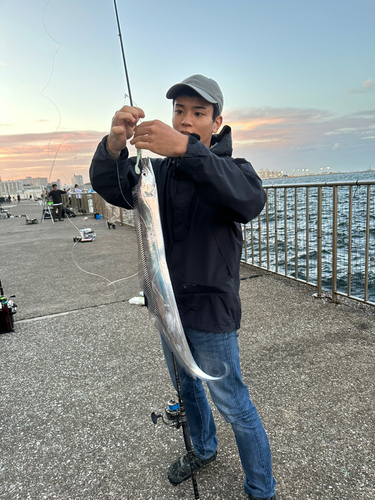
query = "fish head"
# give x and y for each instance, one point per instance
(147, 179)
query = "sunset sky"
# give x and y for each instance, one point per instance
(298, 77)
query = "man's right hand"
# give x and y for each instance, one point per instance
(123, 124)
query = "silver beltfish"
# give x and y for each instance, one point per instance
(154, 274)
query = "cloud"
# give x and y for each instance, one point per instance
(15, 147)
(288, 128)
(289, 138)
(40, 155)
(68, 152)
(368, 84)
(275, 138)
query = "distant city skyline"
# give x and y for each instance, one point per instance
(298, 78)
(29, 184)
(76, 179)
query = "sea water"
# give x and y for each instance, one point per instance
(358, 236)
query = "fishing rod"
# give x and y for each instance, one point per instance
(176, 413)
(123, 54)
(185, 429)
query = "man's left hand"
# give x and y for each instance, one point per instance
(160, 138)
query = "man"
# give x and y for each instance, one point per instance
(112, 214)
(78, 193)
(55, 194)
(204, 195)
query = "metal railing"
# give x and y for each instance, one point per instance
(93, 203)
(85, 203)
(321, 233)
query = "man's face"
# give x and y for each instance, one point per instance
(193, 115)
(55, 188)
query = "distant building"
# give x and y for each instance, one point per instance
(269, 174)
(77, 179)
(11, 188)
(27, 186)
(36, 181)
(57, 182)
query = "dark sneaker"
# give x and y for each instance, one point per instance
(108, 225)
(180, 470)
(255, 498)
(113, 226)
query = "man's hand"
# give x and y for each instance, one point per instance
(123, 124)
(159, 138)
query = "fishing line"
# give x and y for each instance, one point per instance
(139, 152)
(50, 76)
(54, 159)
(76, 263)
(99, 275)
(94, 274)
(58, 149)
(51, 100)
(119, 185)
(123, 279)
(88, 272)
(72, 223)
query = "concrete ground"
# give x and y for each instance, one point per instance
(83, 371)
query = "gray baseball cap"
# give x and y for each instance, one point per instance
(205, 87)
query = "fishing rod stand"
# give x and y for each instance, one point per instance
(175, 416)
(46, 209)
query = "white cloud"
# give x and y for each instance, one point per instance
(368, 84)
(293, 129)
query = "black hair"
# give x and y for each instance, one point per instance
(187, 91)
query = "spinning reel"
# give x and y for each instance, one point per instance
(172, 415)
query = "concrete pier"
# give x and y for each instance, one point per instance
(83, 371)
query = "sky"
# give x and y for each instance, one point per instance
(298, 78)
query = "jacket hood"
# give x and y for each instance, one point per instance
(221, 144)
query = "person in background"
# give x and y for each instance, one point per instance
(112, 215)
(78, 193)
(57, 206)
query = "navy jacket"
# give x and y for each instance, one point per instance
(203, 198)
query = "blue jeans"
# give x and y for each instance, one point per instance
(213, 352)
